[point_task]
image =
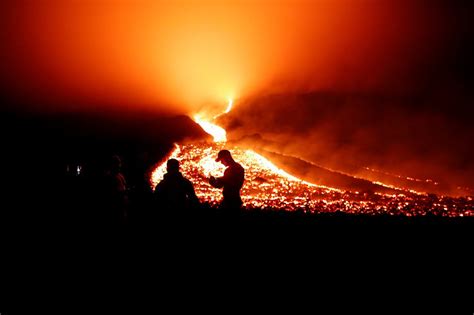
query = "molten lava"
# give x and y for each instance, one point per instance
(268, 187)
(217, 132)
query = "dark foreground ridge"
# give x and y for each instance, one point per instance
(215, 225)
(195, 248)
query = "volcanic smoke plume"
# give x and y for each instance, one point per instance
(381, 138)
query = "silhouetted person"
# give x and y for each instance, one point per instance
(232, 181)
(115, 191)
(141, 198)
(175, 191)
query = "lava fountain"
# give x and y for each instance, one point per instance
(268, 187)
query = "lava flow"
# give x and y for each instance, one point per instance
(268, 187)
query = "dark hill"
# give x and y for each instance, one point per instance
(40, 151)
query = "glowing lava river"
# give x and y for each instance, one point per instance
(268, 187)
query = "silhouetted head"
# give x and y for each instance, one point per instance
(224, 157)
(172, 166)
(115, 163)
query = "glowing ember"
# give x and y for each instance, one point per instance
(265, 184)
(268, 187)
(402, 177)
(160, 171)
(217, 132)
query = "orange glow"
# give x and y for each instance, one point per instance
(218, 133)
(208, 165)
(160, 171)
(267, 186)
(215, 131)
(229, 106)
(191, 52)
(199, 161)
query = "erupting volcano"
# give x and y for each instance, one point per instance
(269, 187)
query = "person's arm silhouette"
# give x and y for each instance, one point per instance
(216, 182)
